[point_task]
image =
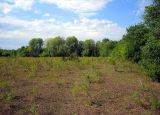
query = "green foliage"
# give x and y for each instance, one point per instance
(6, 92)
(44, 53)
(3, 83)
(151, 15)
(56, 46)
(89, 48)
(35, 46)
(146, 98)
(151, 58)
(80, 48)
(141, 45)
(119, 51)
(154, 103)
(23, 52)
(72, 45)
(135, 39)
(7, 53)
(33, 109)
(107, 47)
(82, 85)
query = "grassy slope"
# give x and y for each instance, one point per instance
(88, 86)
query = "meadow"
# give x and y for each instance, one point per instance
(85, 86)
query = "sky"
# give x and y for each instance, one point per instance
(22, 20)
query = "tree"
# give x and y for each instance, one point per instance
(107, 47)
(89, 48)
(35, 46)
(23, 51)
(152, 18)
(135, 39)
(151, 51)
(72, 45)
(97, 48)
(151, 58)
(8, 53)
(56, 47)
(80, 48)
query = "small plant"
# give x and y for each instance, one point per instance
(80, 87)
(146, 98)
(74, 113)
(33, 109)
(3, 84)
(154, 103)
(6, 92)
(8, 96)
(32, 72)
(137, 98)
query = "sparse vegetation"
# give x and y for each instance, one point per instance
(67, 76)
(56, 86)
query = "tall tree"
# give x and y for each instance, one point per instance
(107, 47)
(89, 48)
(80, 48)
(23, 51)
(151, 51)
(56, 46)
(35, 46)
(135, 39)
(72, 45)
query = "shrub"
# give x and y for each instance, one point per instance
(151, 58)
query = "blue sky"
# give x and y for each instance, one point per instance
(21, 20)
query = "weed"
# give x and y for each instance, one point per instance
(137, 98)
(33, 109)
(80, 87)
(3, 84)
(146, 98)
(6, 92)
(8, 96)
(74, 113)
(154, 103)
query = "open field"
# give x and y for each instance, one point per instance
(88, 86)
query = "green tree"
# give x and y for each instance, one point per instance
(56, 47)
(72, 45)
(80, 48)
(151, 58)
(23, 51)
(89, 48)
(107, 47)
(151, 51)
(135, 40)
(97, 48)
(8, 53)
(35, 46)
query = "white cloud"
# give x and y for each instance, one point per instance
(81, 7)
(21, 4)
(6, 8)
(46, 14)
(24, 4)
(83, 29)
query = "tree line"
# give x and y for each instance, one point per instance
(141, 45)
(60, 47)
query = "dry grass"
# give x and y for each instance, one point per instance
(90, 86)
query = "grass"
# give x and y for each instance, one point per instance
(87, 86)
(6, 92)
(146, 97)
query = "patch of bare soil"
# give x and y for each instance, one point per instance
(110, 95)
